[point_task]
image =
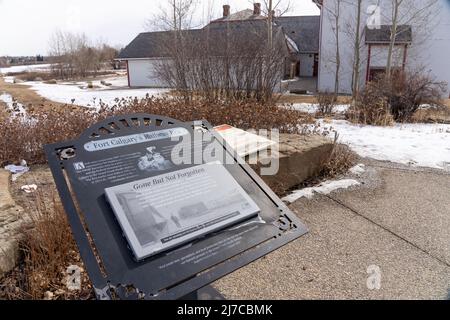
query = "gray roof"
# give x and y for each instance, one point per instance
(246, 14)
(383, 35)
(150, 45)
(250, 33)
(242, 34)
(304, 30)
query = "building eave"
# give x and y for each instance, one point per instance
(384, 43)
(149, 58)
(319, 3)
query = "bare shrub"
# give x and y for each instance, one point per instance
(327, 102)
(341, 159)
(371, 107)
(236, 62)
(398, 99)
(25, 139)
(407, 92)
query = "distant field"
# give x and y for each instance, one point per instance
(17, 69)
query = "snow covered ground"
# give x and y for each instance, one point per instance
(78, 93)
(32, 67)
(425, 145)
(324, 188)
(16, 108)
(313, 107)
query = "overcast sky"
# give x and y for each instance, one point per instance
(26, 25)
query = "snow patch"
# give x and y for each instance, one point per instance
(76, 93)
(17, 69)
(314, 107)
(9, 79)
(358, 170)
(425, 145)
(324, 188)
(16, 109)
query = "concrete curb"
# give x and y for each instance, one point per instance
(300, 157)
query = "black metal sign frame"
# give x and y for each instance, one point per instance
(110, 266)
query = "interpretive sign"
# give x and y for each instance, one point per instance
(164, 211)
(161, 208)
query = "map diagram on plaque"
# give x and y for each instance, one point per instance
(171, 209)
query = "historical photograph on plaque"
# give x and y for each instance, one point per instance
(171, 209)
(153, 161)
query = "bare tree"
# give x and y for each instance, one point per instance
(57, 51)
(278, 8)
(173, 15)
(334, 15)
(357, 49)
(272, 9)
(74, 55)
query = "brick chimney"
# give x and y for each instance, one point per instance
(226, 10)
(257, 9)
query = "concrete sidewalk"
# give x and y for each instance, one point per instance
(397, 220)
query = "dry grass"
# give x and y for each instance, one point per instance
(341, 159)
(376, 116)
(47, 249)
(3, 112)
(327, 101)
(433, 115)
(45, 76)
(31, 75)
(371, 107)
(26, 96)
(291, 98)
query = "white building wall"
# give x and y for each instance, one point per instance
(430, 53)
(142, 73)
(439, 47)
(379, 55)
(327, 58)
